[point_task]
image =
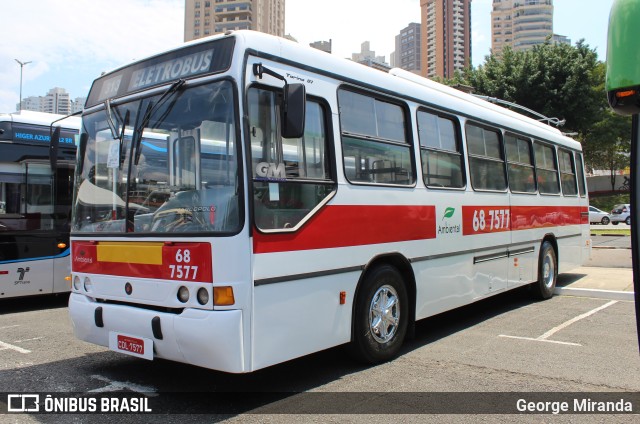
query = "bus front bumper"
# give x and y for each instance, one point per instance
(210, 339)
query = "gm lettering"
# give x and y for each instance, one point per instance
(271, 171)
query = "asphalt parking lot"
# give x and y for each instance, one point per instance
(473, 360)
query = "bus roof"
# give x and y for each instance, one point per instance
(41, 118)
(396, 82)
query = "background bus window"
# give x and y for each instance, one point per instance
(520, 164)
(440, 149)
(374, 141)
(290, 176)
(27, 198)
(486, 164)
(567, 173)
(546, 169)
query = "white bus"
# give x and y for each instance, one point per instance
(36, 189)
(292, 201)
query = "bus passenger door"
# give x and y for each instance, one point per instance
(523, 249)
(27, 236)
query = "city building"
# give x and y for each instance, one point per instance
(368, 57)
(561, 39)
(325, 46)
(55, 101)
(445, 37)
(32, 103)
(520, 24)
(77, 105)
(407, 52)
(204, 18)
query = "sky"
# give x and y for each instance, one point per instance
(70, 43)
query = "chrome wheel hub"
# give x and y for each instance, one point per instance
(384, 314)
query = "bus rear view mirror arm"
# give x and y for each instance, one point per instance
(293, 103)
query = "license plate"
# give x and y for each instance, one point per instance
(131, 345)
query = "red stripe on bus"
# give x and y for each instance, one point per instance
(343, 226)
(176, 265)
(530, 217)
(495, 219)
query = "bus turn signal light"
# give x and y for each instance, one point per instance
(62, 245)
(223, 296)
(626, 93)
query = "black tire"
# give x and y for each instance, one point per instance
(378, 335)
(628, 220)
(615, 222)
(605, 220)
(547, 272)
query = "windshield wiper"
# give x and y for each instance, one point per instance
(136, 140)
(151, 108)
(124, 126)
(110, 123)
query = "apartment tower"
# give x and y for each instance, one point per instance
(407, 52)
(520, 24)
(205, 18)
(446, 37)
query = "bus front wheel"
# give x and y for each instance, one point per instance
(547, 272)
(381, 315)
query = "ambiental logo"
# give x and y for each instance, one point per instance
(446, 227)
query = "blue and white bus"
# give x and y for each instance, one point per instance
(36, 186)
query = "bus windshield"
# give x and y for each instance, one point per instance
(161, 163)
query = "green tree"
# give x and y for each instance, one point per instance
(556, 80)
(607, 144)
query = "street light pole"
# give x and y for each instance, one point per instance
(21, 66)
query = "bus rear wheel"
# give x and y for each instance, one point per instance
(547, 272)
(380, 317)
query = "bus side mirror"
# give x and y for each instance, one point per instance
(295, 98)
(623, 66)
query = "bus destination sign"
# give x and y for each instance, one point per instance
(211, 57)
(37, 135)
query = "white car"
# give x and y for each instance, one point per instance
(621, 213)
(596, 216)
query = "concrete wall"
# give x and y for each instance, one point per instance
(602, 184)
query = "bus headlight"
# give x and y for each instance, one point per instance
(76, 283)
(203, 296)
(183, 294)
(88, 286)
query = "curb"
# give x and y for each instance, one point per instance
(599, 294)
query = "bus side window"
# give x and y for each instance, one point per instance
(520, 164)
(486, 160)
(580, 175)
(546, 169)
(290, 176)
(567, 173)
(375, 144)
(440, 150)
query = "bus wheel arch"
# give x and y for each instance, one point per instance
(548, 262)
(387, 277)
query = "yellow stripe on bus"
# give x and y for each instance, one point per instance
(130, 252)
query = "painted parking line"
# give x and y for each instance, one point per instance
(117, 386)
(5, 346)
(545, 336)
(9, 326)
(28, 340)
